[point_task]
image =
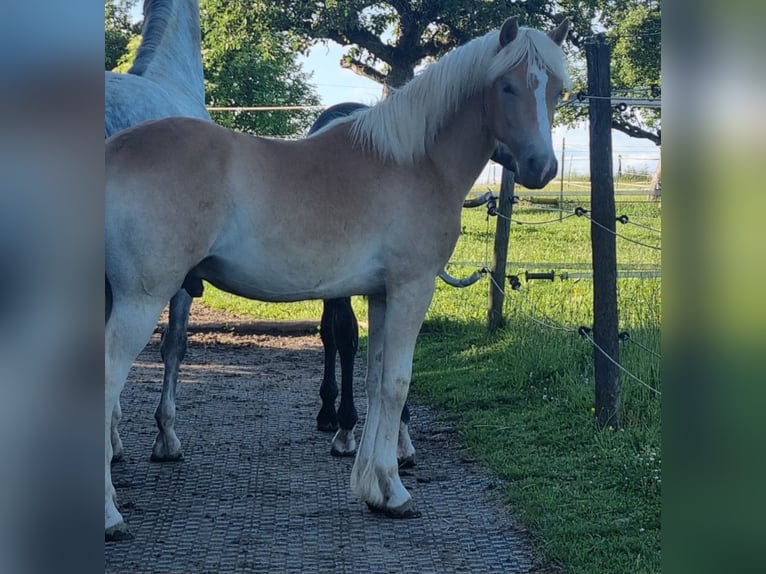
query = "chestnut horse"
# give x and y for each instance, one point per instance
(188, 201)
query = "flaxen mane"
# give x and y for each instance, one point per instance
(400, 127)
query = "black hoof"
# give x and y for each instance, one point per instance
(327, 426)
(408, 462)
(404, 512)
(342, 454)
(176, 458)
(118, 533)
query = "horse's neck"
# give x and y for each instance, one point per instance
(463, 146)
(175, 59)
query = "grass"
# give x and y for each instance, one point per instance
(523, 397)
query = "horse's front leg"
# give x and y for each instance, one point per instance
(128, 328)
(346, 332)
(167, 446)
(394, 325)
(327, 419)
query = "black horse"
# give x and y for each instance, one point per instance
(339, 331)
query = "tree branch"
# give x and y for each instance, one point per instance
(363, 69)
(637, 132)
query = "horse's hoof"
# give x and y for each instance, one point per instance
(327, 427)
(375, 509)
(407, 462)
(403, 512)
(118, 533)
(177, 457)
(342, 453)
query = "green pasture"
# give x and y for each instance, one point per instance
(523, 397)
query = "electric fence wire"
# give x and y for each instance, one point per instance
(581, 332)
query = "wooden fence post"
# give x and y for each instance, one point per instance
(500, 256)
(605, 324)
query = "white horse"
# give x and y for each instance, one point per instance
(188, 201)
(165, 80)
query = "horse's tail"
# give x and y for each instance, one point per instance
(108, 298)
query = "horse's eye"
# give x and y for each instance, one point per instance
(508, 89)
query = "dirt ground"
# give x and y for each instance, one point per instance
(258, 490)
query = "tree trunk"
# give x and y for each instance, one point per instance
(655, 187)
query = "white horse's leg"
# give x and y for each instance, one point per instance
(116, 440)
(128, 329)
(367, 487)
(375, 477)
(405, 451)
(166, 446)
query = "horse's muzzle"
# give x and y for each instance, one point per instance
(536, 170)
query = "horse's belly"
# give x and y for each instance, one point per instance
(285, 279)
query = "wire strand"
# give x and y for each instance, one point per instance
(619, 366)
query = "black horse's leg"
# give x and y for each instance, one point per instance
(405, 452)
(167, 447)
(327, 419)
(346, 331)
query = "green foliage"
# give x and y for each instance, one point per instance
(248, 64)
(387, 40)
(126, 60)
(632, 29)
(118, 30)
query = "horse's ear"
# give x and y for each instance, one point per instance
(559, 34)
(509, 31)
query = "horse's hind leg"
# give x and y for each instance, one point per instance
(327, 419)
(405, 451)
(346, 331)
(117, 450)
(166, 446)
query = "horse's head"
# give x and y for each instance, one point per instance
(521, 100)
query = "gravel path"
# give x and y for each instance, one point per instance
(258, 490)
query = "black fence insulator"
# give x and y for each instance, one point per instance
(580, 211)
(583, 331)
(622, 106)
(623, 219)
(515, 199)
(624, 336)
(655, 90)
(514, 282)
(479, 201)
(550, 276)
(492, 206)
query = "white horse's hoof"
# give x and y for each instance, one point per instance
(117, 533)
(166, 449)
(343, 443)
(402, 512)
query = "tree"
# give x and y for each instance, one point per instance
(118, 30)
(632, 28)
(248, 64)
(388, 40)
